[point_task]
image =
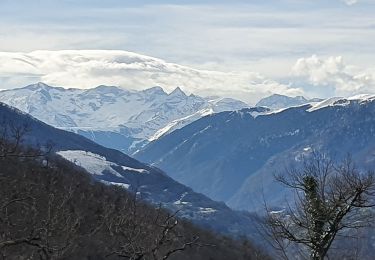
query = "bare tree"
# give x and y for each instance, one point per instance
(142, 234)
(12, 136)
(22, 205)
(29, 219)
(330, 200)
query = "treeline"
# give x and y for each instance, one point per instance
(54, 210)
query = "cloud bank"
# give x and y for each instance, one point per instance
(90, 68)
(262, 36)
(333, 72)
(312, 76)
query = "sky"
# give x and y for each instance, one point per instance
(243, 49)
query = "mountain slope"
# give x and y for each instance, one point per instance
(113, 167)
(59, 209)
(112, 116)
(232, 156)
(277, 101)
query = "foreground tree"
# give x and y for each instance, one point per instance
(330, 200)
(12, 137)
(131, 228)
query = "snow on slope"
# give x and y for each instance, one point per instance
(278, 103)
(339, 101)
(324, 103)
(123, 185)
(100, 167)
(95, 164)
(141, 115)
(180, 122)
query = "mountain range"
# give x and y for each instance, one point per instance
(199, 154)
(233, 156)
(220, 147)
(115, 117)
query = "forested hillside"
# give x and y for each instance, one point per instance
(51, 209)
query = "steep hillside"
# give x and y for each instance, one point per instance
(232, 156)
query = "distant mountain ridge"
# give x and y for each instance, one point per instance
(277, 101)
(112, 116)
(232, 156)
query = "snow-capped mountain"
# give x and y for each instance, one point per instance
(277, 101)
(112, 116)
(115, 168)
(232, 156)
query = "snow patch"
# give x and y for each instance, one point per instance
(92, 163)
(96, 164)
(207, 210)
(123, 185)
(277, 212)
(180, 202)
(125, 168)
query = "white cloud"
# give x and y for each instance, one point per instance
(312, 76)
(350, 2)
(89, 68)
(334, 72)
(221, 33)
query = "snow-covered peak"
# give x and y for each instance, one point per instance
(140, 115)
(277, 101)
(157, 90)
(107, 89)
(38, 86)
(177, 92)
(228, 104)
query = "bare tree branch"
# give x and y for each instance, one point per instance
(330, 199)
